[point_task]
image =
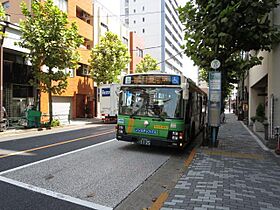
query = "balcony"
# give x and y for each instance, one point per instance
(83, 15)
(85, 29)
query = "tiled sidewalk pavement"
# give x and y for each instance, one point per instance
(238, 174)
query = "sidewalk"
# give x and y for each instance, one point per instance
(74, 124)
(239, 174)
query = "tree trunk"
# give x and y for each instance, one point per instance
(50, 96)
(50, 107)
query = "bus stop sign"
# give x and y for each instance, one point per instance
(214, 107)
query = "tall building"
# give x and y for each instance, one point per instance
(158, 22)
(79, 96)
(104, 21)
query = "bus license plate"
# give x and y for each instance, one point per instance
(144, 141)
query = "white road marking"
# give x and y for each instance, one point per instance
(55, 194)
(54, 157)
(6, 152)
(256, 138)
(19, 135)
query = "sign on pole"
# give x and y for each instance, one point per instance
(214, 98)
(215, 64)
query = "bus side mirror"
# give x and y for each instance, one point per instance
(185, 87)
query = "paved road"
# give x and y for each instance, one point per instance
(21, 151)
(78, 171)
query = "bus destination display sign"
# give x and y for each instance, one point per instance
(152, 80)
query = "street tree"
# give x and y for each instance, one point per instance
(2, 18)
(52, 42)
(147, 64)
(108, 59)
(225, 30)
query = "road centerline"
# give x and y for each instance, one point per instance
(54, 157)
(53, 145)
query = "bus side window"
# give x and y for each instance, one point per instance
(188, 113)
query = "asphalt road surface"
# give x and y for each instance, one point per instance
(79, 169)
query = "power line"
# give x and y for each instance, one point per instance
(147, 48)
(171, 57)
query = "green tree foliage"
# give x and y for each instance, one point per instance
(225, 30)
(2, 18)
(108, 59)
(147, 64)
(52, 42)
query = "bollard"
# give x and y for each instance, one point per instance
(265, 130)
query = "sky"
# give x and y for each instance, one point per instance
(189, 69)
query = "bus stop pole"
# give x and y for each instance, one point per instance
(213, 136)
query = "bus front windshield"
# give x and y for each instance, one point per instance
(151, 101)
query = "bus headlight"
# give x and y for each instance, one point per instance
(177, 135)
(120, 129)
(174, 137)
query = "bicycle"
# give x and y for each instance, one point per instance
(4, 124)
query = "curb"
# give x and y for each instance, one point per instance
(163, 196)
(36, 132)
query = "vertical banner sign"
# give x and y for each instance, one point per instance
(214, 107)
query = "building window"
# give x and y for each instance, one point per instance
(125, 41)
(143, 8)
(139, 52)
(134, 21)
(61, 4)
(83, 70)
(134, 10)
(83, 15)
(143, 30)
(6, 4)
(127, 21)
(70, 72)
(143, 19)
(126, 11)
(104, 28)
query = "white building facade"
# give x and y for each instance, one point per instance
(104, 21)
(261, 84)
(158, 23)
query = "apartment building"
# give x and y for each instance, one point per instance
(105, 21)
(17, 92)
(158, 22)
(79, 96)
(261, 85)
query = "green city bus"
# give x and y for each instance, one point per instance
(160, 109)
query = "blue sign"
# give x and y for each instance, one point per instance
(121, 121)
(146, 131)
(105, 91)
(175, 80)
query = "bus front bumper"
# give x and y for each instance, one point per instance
(149, 141)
